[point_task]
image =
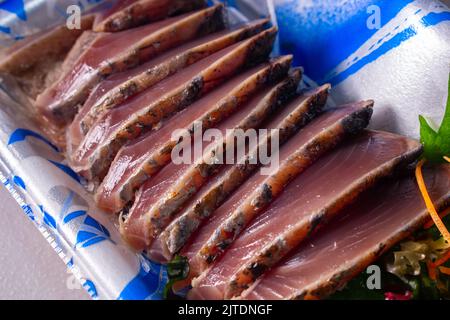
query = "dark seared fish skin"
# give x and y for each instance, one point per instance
(155, 205)
(308, 203)
(118, 88)
(59, 103)
(128, 14)
(94, 156)
(142, 160)
(363, 232)
(180, 230)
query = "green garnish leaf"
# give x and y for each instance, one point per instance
(436, 143)
(177, 270)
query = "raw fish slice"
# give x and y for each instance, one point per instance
(362, 234)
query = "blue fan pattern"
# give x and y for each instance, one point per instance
(150, 279)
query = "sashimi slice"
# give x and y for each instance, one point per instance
(143, 224)
(119, 87)
(233, 176)
(306, 204)
(139, 114)
(362, 234)
(110, 53)
(128, 14)
(141, 159)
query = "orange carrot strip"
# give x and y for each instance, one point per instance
(431, 271)
(443, 259)
(445, 270)
(447, 158)
(429, 203)
(442, 215)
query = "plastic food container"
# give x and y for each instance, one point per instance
(395, 52)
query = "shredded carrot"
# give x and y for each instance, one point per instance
(432, 266)
(442, 215)
(431, 271)
(429, 203)
(447, 159)
(445, 270)
(443, 259)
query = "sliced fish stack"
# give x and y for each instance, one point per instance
(340, 196)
